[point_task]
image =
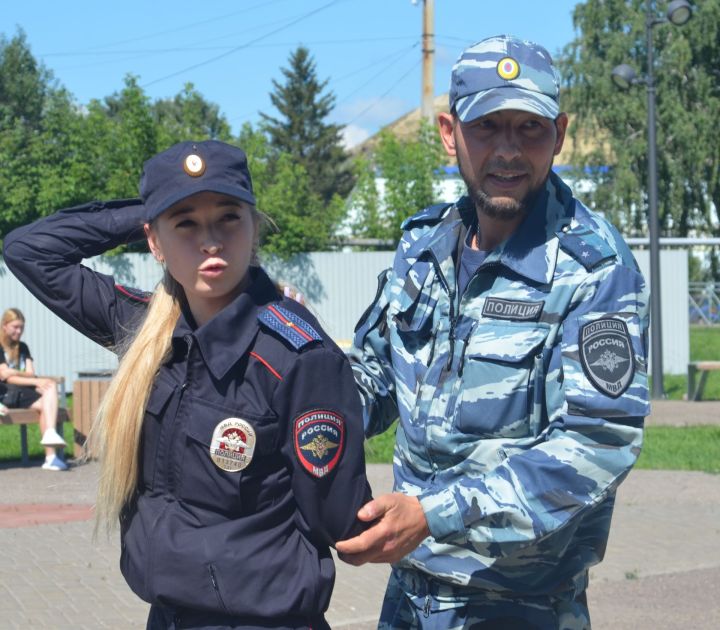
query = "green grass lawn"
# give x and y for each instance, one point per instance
(10, 442)
(704, 346)
(670, 448)
(681, 448)
(664, 448)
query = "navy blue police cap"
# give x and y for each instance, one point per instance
(188, 168)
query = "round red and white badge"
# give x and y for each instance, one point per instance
(233, 444)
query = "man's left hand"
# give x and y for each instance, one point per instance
(399, 528)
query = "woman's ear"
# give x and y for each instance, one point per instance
(153, 243)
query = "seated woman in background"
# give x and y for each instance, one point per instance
(21, 388)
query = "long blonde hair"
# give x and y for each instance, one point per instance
(115, 435)
(10, 348)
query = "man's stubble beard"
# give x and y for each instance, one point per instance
(506, 210)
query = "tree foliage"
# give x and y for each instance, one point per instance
(300, 220)
(189, 116)
(687, 78)
(408, 169)
(35, 119)
(302, 131)
(56, 153)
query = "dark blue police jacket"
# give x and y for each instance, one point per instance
(254, 542)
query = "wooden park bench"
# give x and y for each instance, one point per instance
(694, 391)
(23, 417)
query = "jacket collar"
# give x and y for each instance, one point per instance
(532, 249)
(225, 338)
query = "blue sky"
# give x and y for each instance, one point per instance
(369, 50)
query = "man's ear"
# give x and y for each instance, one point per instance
(153, 244)
(561, 123)
(446, 127)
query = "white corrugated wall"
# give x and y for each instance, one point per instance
(339, 286)
(674, 309)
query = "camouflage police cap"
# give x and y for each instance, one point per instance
(188, 168)
(504, 72)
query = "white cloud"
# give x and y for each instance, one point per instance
(353, 135)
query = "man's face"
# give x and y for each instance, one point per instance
(504, 157)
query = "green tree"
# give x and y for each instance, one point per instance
(688, 110)
(365, 200)
(302, 130)
(410, 169)
(189, 116)
(39, 125)
(129, 139)
(24, 83)
(300, 220)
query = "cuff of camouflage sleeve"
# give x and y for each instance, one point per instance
(443, 515)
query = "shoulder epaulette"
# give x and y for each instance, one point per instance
(133, 295)
(585, 246)
(431, 214)
(290, 326)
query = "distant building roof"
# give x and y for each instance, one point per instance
(407, 125)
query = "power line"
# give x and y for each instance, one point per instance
(189, 47)
(151, 51)
(377, 74)
(384, 94)
(353, 73)
(349, 75)
(186, 27)
(465, 40)
(247, 44)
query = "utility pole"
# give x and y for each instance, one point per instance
(427, 111)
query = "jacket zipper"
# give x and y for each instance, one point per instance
(216, 588)
(453, 316)
(170, 479)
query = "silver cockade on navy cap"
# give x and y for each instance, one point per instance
(188, 168)
(504, 72)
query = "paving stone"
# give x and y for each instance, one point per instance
(661, 570)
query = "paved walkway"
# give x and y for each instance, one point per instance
(682, 413)
(661, 570)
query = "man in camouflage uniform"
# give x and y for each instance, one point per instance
(509, 338)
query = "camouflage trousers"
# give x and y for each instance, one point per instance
(420, 610)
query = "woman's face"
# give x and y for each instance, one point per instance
(206, 242)
(14, 329)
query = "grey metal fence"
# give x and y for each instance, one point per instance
(704, 303)
(338, 285)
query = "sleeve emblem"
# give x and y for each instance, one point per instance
(319, 438)
(606, 355)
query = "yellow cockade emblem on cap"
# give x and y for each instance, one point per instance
(319, 446)
(194, 165)
(508, 68)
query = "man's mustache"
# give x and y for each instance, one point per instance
(502, 165)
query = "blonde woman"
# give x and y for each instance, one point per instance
(231, 436)
(20, 387)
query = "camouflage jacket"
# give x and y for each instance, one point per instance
(520, 402)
